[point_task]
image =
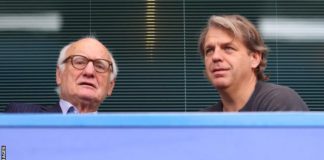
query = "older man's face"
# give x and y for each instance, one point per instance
(85, 84)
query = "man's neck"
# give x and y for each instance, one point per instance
(84, 106)
(235, 98)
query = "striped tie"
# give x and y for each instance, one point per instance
(70, 110)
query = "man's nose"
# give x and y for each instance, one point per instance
(89, 69)
(217, 55)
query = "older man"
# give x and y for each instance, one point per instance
(85, 76)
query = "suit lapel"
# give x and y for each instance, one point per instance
(52, 109)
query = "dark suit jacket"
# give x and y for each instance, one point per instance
(32, 108)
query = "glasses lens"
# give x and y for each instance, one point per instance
(101, 65)
(79, 62)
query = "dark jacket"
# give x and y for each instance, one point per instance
(32, 108)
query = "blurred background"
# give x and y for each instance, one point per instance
(155, 46)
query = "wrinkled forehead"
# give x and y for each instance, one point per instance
(228, 32)
(90, 48)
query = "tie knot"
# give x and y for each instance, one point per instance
(70, 110)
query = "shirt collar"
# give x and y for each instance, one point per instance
(65, 105)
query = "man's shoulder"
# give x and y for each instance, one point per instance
(18, 107)
(278, 97)
(269, 85)
(275, 89)
(214, 108)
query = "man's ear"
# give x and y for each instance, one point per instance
(110, 87)
(255, 59)
(58, 76)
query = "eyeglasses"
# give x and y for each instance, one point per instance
(81, 62)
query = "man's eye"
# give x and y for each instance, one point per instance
(229, 49)
(208, 51)
(80, 62)
(100, 66)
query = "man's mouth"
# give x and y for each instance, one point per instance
(87, 84)
(219, 70)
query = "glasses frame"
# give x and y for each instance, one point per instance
(70, 58)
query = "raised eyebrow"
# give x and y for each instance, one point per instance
(99, 60)
(209, 46)
(103, 59)
(96, 59)
(227, 44)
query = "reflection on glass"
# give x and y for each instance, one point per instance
(42, 21)
(150, 26)
(296, 29)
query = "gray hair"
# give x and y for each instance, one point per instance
(243, 29)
